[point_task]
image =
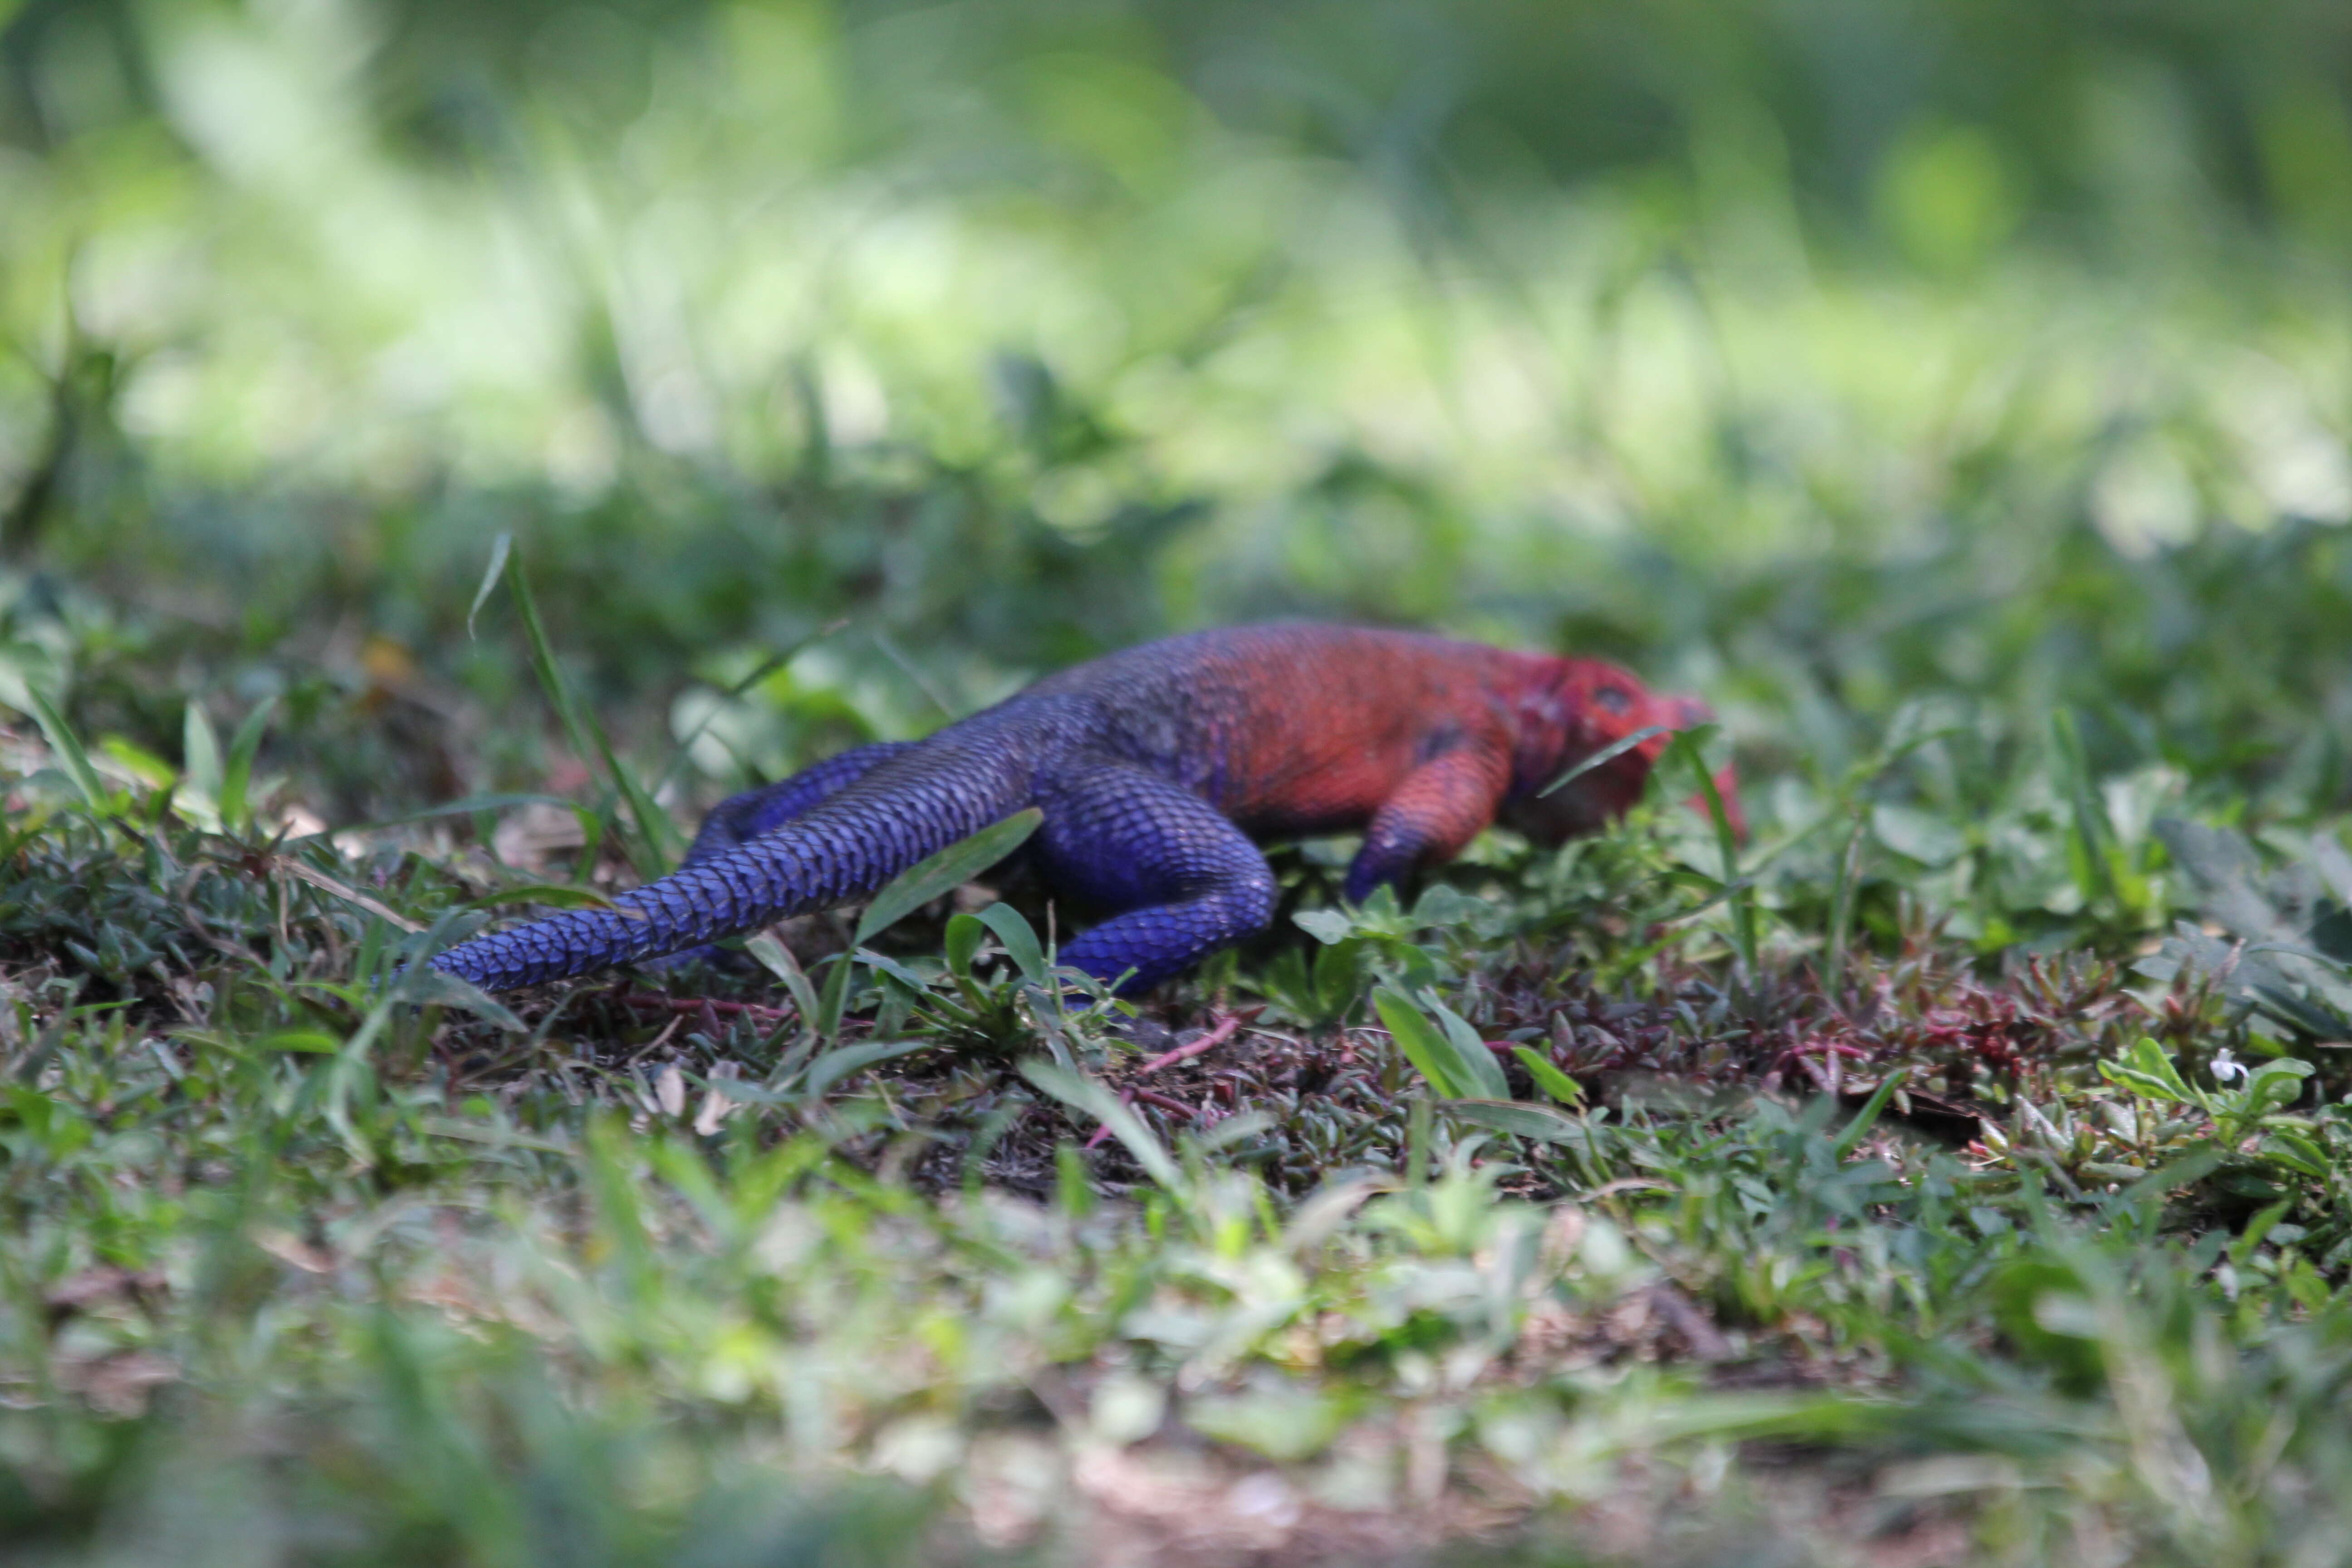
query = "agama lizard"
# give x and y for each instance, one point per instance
(1157, 769)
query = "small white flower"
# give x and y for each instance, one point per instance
(2227, 1067)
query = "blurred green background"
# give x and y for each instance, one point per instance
(1817, 354)
(1955, 392)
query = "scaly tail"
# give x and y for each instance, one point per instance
(851, 845)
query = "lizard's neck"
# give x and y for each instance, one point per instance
(1549, 725)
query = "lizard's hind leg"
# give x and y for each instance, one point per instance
(1180, 880)
(742, 817)
(747, 815)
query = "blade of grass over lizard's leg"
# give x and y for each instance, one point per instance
(944, 872)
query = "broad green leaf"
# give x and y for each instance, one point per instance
(1549, 1078)
(944, 872)
(236, 773)
(833, 1000)
(1423, 1046)
(1326, 926)
(1478, 1061)
(141, 763)
(1285, 1422)
(2274, 1085)
(2242, 1251)
(1921, 836)
(1521, 1120)
(1021, 943)
(777, 959)
(2297, 1153)
(1438, 1057)
(1084, 1094)
(1446, 905)
(894, 969)
(422, 985)
(964, 937)
(2147, 1070)
(69, 747)
(2188, 1170)
(200, 747)
(310, 1041)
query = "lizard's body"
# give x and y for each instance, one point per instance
(1156, 769)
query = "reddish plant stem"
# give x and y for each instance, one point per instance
(1216, 1035)
(1224, 1029)
(1149, 1097)
(1164, 1101)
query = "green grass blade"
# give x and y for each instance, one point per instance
(654, 845)
(1520, 1119)
(200, 752)
(1084, 1094)
(842, 1061)
(766, 668)
(1842, 904)
(778, 960)
(1549, 1078)
(1478, 1064)
(1867, 1117)
(69, 750)
(1601, 758)
(944, 872)
(500, 548)
(1020, 942)
(2093, 837)
(834, 999)
(236, 773)
(1686, 749)
(1440, 1058)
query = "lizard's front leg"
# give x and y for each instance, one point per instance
(1434, 814)
(1180, 880)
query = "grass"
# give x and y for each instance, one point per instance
(1956, 1248)
(417, 514)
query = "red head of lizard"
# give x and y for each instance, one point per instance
(1585, 707)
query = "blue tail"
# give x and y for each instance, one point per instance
(851, 845)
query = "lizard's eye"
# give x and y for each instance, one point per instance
(1614, 699)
